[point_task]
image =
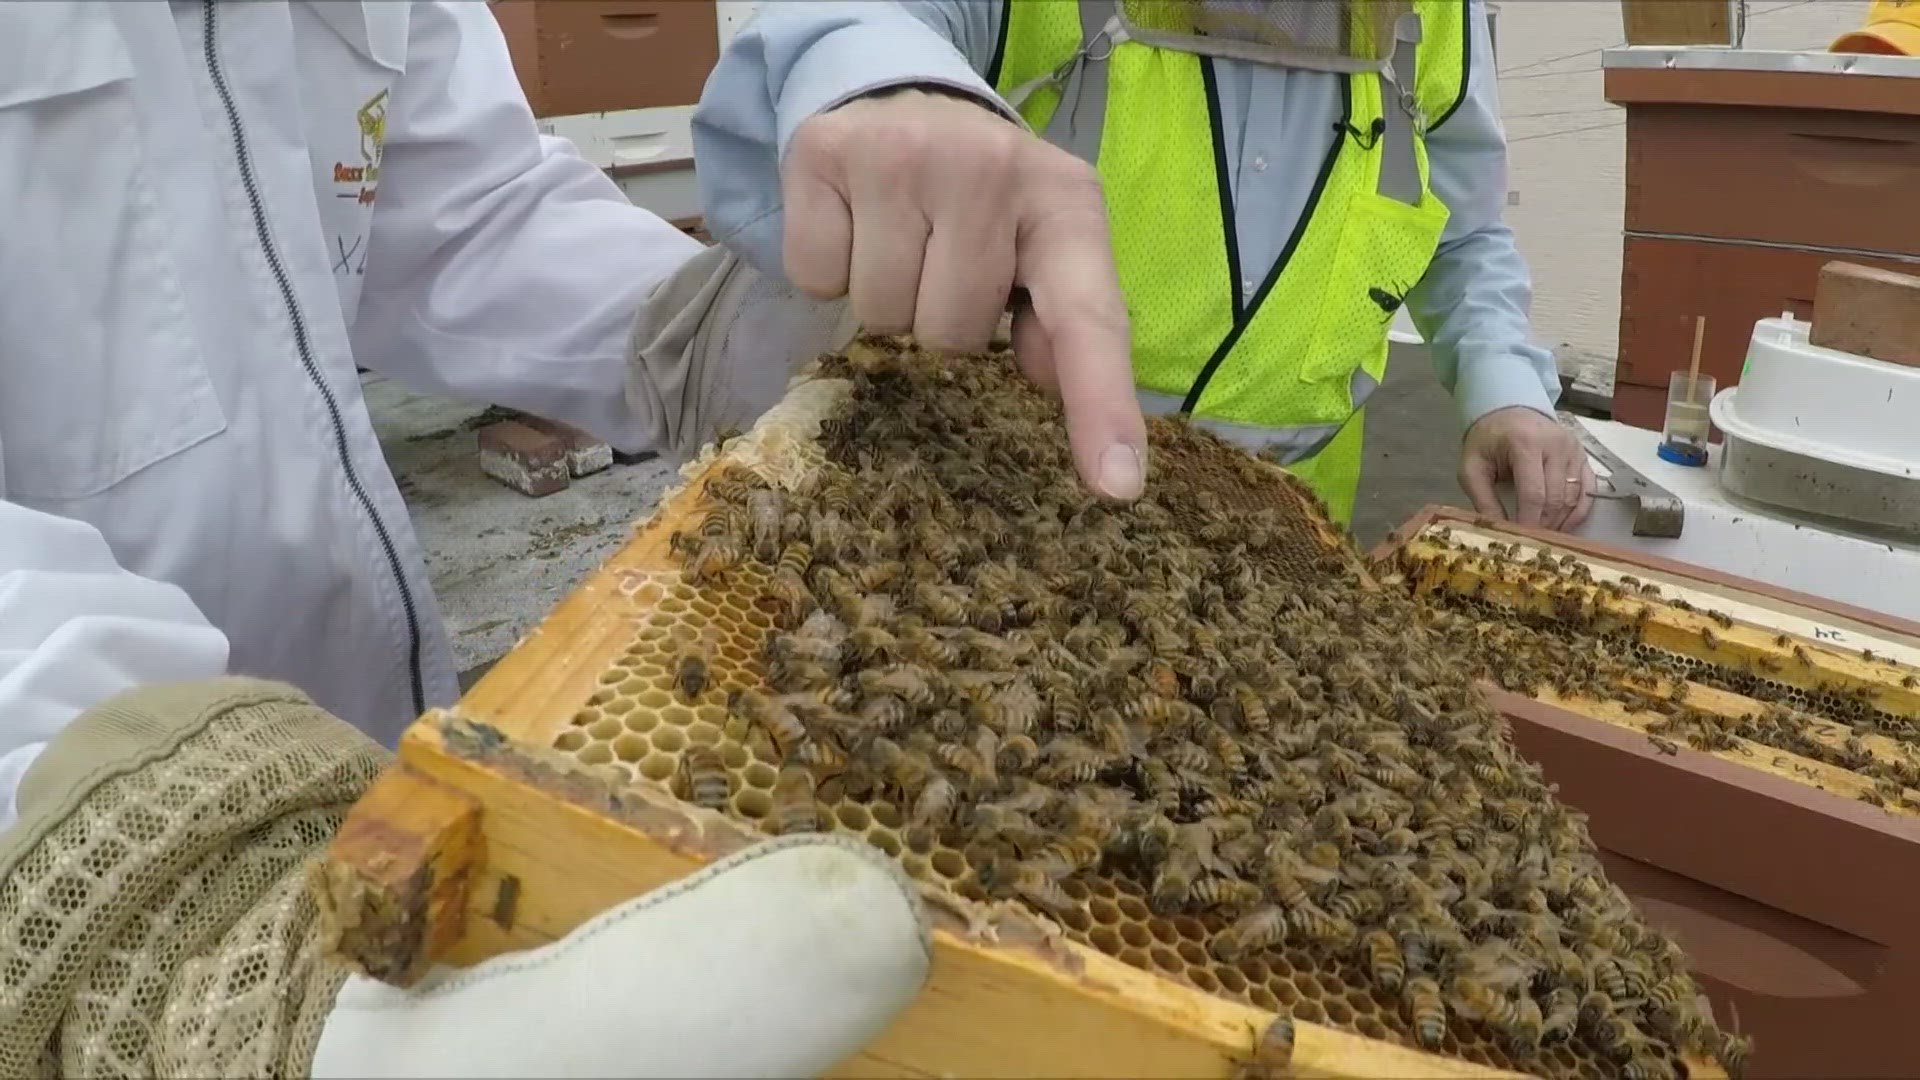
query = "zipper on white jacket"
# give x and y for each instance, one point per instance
(211, 26)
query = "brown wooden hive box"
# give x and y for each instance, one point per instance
(537, 802)
(1741, 183)
(1782, 858)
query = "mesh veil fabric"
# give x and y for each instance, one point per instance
(154, 914)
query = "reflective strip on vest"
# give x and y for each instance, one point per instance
(1283, 445)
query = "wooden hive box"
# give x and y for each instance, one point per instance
(1789, 891)
(526, 810)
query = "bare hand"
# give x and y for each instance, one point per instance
(1552, 481)
(927, 211)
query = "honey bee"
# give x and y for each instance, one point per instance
(1427, 1011)
(1908, 682)
(1800, 654)
(1733, 1053)
(735, 485)
(1709, 638)
(1069, 856)
(1562, 1016)
(910, 683)
(1665, 746)
(1017, 754)
(702, 780)
(935, 803)
(1608, 978)
(940, 604)
(1071, 761)
(691, 674)
(1384, 959)
(779, 722)
(1216, 892)
(1272, 1052)
(793, 802)
(1721, 619)
(1174, 880)
(1032, 884)
(1518, 1019)
(1262, 927)
(964, 759)
(795, 559)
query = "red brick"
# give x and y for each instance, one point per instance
(585, 454)
(523, 458)
(1868, 311)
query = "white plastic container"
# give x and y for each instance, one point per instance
(1820, 403)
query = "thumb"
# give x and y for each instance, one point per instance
(1477, 475)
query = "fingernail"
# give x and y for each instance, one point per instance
(1121, 476)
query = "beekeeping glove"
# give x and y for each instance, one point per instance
(717, 343)
(156, 920)
(779, 961)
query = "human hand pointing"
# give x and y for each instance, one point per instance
(929, 212)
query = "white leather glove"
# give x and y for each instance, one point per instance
(716, 345)
(780, 961)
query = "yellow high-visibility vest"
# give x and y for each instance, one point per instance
(1287, 371)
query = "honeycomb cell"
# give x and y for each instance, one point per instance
(1202, 979)
(1309, 1010)
(1134, 957)
(704, 735)
(1076, 920)
(639, 722)
(916, 865)
(617, 706)
(887, 816)
(853, 817)
(1254, 970)
(1132, 908)
(602, 696)
(612, 675)
(919, 839)
(675, 605)
(948, 864)
(1307, 984)
(1164, 930)
(757, 774)
(658, 700)
(753, 803)
(1077, 890)
(1189, 928)
(1135, 935)
(1230, 979)
(1193, 954)
(606, 729)
(885, 840)
(1106, 939)
(1337, 1011)
(569, 741)
(670, 739)
(658, 767)
(595, 754)
(704, 608)
(1104, 911)
(630, 747)
(1262, 998)
(635, 687)
(1371, 1027)
(1163, 958)
(712, 713)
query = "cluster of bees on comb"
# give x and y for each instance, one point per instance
(1187, 708)
(1580, 650)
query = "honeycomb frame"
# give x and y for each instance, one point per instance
(611, 649)
(1826, 776)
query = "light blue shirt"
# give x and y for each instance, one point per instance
(796, 58)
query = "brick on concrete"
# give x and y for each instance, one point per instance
(586, 454)
(1868, 311)
(523, 458)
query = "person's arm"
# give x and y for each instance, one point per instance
(502, 266)
(76, 629)
(1472, 305)
(1472, 309)
(791, 62)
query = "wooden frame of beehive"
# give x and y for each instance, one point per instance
(1790, 894)
(481, 840)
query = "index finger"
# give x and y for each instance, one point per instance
(1065, 262)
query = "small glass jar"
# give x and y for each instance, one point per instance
(1684, 438)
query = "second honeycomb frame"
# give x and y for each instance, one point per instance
(1793, 902)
